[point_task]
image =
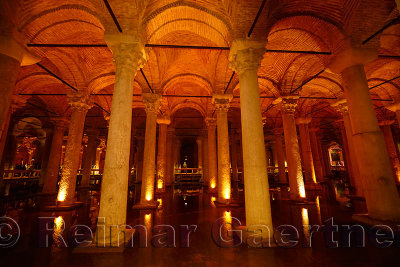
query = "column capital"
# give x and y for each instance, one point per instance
(152, 102)
(210, 122)
(128, 51)
(221, 102)
(289, 103)
(60, 123)
(79, 101)
(348, 55)
(246, 54)
(165, 119)
(341, 106)
(394, 107)
(303, 120)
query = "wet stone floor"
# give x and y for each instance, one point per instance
(178, 214)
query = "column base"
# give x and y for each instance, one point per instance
(301, 202)
(358, 203)
(63, 207)
(313, 186)
(366, 219)
(150, 205)
(227, 203)
(46, 199)
(95, 248)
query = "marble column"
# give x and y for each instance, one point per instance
(280, 154)
(140, 152)
(221, 103)
(199, 143)
(308, 163)
(170, 160)
(163, 123)
(245, 58)
(152, 104)
(53, 165)
(205, 157)
(66, 191)
(129, 56)
(296, 182)
(391, 147)
(89, 156)
(316, 155)
(212, 153)
(379, 187)
(234, 164)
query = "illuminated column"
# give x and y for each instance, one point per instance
(308, 162)
(152, 104)
(391, 147)
(176, 155)
(140, 152)
(89, 156)
(79, 106)
(205, 158)
(53, 165)
(170, 159)
(162, 153)
(379, 187)
(212, 153)
(234, 152)
(245, 58)
(296, 183)
(280, 154)
(199, 142)
(221, 103)
(129, 55)
(316, 155)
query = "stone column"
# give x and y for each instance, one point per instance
(152, 104)
(162, 153)
(296, 182)
(212, 154)
(170, 159)
(205, 157)
(129, 56)
(316, 155)
(221, 103)
(308, 162)
(199, 143)
(140, 152)
(391, 147)
(380, 191)
(176, 155)
(53, 165)
(66, 191)
(280, 154)
(245, 58)
(89, 156)
(234, 164)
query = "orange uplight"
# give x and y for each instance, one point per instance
(62, 194)
(213, 199)
(212, 184)
(227, 193)
(58, 229)
(149, 196)
(160, 184)
(302, 191)
(227, 216)
(159, 201)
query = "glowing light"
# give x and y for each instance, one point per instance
(302, 191)
(58, 229)
(212, 185)
(306, 222)
(160, 184)
(147, 221)
(319, 210)
(213, 199)
(149, 196)
(160, 202)
(285, 163)
(227, 193)
(62, 194)
(228, 216)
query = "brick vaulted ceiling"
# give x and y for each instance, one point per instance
(307, 25)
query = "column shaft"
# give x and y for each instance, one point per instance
(280, 154)
(212, 154)
(391, 147)
(378, 183)
(162, 157)
(316, 156)
(89, 157)
(308, 162)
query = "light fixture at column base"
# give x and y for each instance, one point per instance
(63, 207)
(226, 203)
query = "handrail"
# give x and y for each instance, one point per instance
(18, 174)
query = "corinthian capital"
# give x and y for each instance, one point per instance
(210, 122)
(341, 106)
(128, 51)
(152, 102)
(221, 102)
(289, 104)
(79, 101)
(246, 54)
